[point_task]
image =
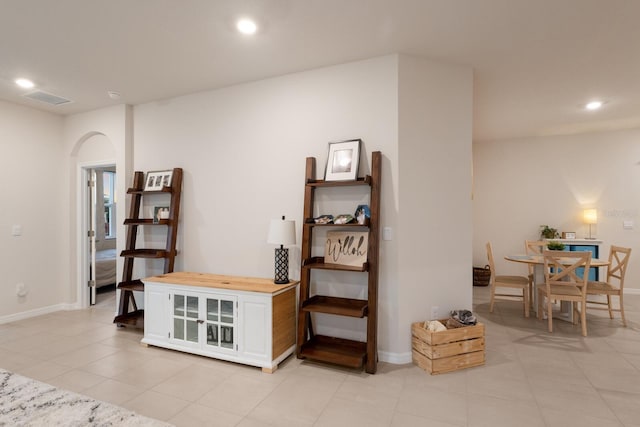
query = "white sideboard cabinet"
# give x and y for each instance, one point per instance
(238, 319)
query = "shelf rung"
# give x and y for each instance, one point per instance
(132, 285)
(318, 263)
(339, 351)
(144, 253)
(135, 319)
(336, 305)
(348, 183)
(146, 221)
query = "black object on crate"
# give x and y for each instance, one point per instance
(481, 276)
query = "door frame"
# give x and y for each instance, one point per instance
(82, 243)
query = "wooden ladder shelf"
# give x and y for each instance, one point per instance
(128, 312)
(349, 353)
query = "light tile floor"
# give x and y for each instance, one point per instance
(531, 377)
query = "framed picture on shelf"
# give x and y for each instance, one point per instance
(362, 213)
(568, 235)
(160, 212)
(346, 248)
(156, 180)
(343, 159)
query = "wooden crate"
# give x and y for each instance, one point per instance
(447, 351)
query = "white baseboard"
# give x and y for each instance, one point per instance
(632, 291)
(394, 358)
(36, 312)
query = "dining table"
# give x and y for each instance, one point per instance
(566, 313)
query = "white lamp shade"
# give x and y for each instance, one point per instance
(282, 232)
(590, 216)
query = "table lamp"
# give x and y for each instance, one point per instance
(282, 232)
(590, 216)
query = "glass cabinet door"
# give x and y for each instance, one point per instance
(185, 317)
(220, 322)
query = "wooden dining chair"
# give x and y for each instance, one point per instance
(616, 270)
(533, 247)
(513, 282)
(562, 283)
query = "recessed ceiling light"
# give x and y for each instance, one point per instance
(247, 26)
(593, 105)
(25, 83)
(113, 94)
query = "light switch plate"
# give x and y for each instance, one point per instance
(387, 233)
(627, 225)
(16, 230)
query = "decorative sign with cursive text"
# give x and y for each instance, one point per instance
(346, 248)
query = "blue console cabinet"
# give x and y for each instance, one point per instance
(592, 246)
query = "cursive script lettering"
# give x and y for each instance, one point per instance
(345, 248)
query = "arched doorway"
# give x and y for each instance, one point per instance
(96, 219)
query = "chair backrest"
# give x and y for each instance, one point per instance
(491, 263)
(534, 247)
(560, 268)
(618, 260)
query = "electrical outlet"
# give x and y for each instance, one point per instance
(434, 312)
(21, 290)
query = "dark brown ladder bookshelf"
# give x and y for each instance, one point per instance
(349, 353)
(128, 312)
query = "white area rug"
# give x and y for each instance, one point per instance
(27, 402)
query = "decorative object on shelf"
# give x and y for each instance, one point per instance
(160, 212)
(282, 232)
(547, 232)
(568, 235)
(346, 248)
(343, 159)
(590, 216)
(323, 219)
(362, 213)
(555, 246)
(343, 219)
(156, 180)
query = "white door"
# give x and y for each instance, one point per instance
(91, 234)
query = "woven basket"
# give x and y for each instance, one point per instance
(481, 276)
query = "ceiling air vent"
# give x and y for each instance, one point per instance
(49, 98)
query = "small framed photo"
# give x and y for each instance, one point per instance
(568, 235)
(362, 213)
(156, 180)
(160, 212)
(343, 159)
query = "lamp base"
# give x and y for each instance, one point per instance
(282, 266)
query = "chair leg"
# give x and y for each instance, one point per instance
(531, 291)
(583, 318)
(609, 305)
(624, 320)
(549, 313)
(491, 300)
(525, 298)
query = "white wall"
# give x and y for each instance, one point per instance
(522, 184)
(434, 171)
(34, 197)
(243, 149)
